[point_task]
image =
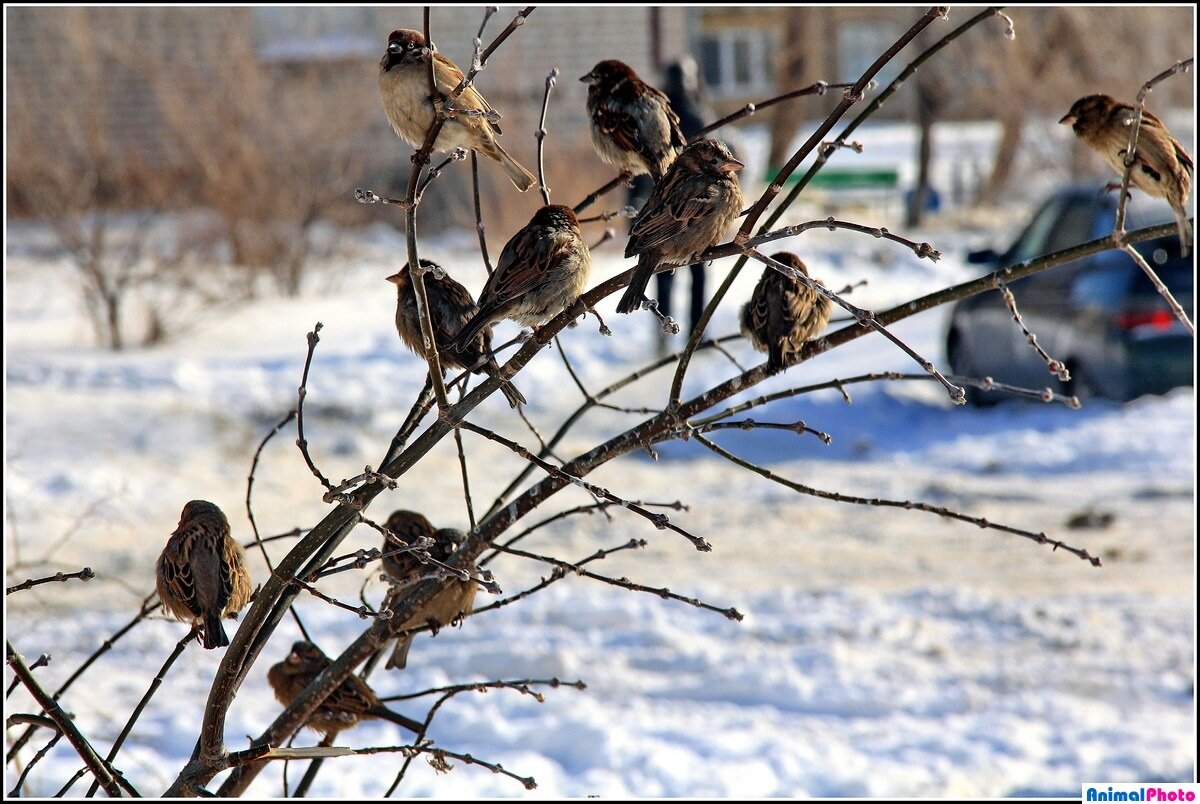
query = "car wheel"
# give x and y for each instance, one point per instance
(959, 364)
(1080, 385)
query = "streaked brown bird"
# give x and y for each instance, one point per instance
(201, 574)
(450, 307)
(404, 88)
(783, 313)
(1163, 168)
(450, 603)
(689, 210)
(346, 706)
(541, 271)
(633, 126)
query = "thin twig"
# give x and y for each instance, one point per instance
(146, 609)
(109, 779)
(479, 228)
(660, 521)
(592, 198)
(819, 88)
(313, 339)
(624, 583)
(462, 463)
(823, 154)
(137, 711)
(16, 790)
(1135, 127)
(521, 685)
(558, 574)
(1040, 538)
(1056, 367)
(1162, 289)
(540, 134)
(363, 612)
(1118, 234)
(866, 318)
(85, 574)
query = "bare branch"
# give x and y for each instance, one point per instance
(1040, 538)
(85, 574)
(112, 781)
(551, 80)
(660, 521)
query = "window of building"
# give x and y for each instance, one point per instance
(313, 33)
(736, 62)
(859, 44)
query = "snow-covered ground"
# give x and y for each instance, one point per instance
(883, 652)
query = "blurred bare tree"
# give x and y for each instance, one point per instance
(1061, 54)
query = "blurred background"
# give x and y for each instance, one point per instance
(180, 211)
(252, 125)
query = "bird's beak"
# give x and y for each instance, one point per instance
(395, 278)
(732, 164)
(587, 79)
(293, 658)
(1068, 119)
(394, 48)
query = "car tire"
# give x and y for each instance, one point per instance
(956, 357)
(1080, 385)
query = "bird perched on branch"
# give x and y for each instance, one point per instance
(450, 307)
(1162, 167)
(404, 87)
(784, 313)
(633, 126)
(688, 211)
(451, 602)
(349, 703)
(541, 271)
(201, 574)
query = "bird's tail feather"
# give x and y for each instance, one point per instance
(384, 713)
(522, 178)
(399, 657)
(1185, 231)
(636, 292)
(214, 632)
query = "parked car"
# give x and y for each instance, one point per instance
(1100, 315)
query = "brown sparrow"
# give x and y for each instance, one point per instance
(450, 307)
(201, 574)
(350, 702)
(633, 126)
(404, 87)
(689, 210)
(1163, 167)
(783, 313)
(541, 272)
(450, 603)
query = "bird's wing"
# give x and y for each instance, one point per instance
(669, 213)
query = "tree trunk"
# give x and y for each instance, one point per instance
(1006, 157)
(785, 121)
(927, 108)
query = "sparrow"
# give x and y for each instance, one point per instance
(688, 211)
(783, 313)
(1163, 168)
(404, 87)
(201, 574)
(541, 271)
(350, 702)
(633, 126)
(450, 307)
(451, 602)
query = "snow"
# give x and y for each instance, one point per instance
(883, 652)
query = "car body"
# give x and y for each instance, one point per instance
(1100, 315)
